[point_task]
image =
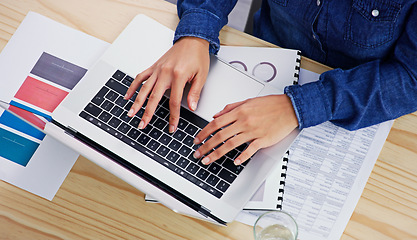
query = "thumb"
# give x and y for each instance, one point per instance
(195, 91)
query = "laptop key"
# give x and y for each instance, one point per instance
(114, 122)
(128, 105)
(124, 117)
(120, 101)
(147, 129)
(135, 122)
(174, 145)
(128, 79)
(223, 186)
(192, 117)
(93, 109)
(179, 135)
(155, 133)
(160, 124)
(107, 105)
(202, 174)
(185, 151)
(182, 162)
(161, 112)
(192, 168)
(188, 141)
(163, 151)
(173, 156)
(212, 180)
(104, 116)
(153, 145)
(134, 133)
(214, 192)
(191, 129)
(182, 124)
(124, 128)
(116, 111)
(143, 139)
(112, 95)
(116, 86)
(214, 168)
(118, 75)
(227, 176)
(232, 167)
(165, 139)
(99, 98)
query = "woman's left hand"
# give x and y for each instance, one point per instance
(260, 121)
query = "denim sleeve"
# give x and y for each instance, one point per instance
(203, 19)
(368, 94)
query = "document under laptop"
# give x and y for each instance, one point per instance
(160, 164)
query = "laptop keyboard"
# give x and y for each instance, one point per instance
(108, 111)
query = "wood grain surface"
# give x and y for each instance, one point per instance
(93, 204)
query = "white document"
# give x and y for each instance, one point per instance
(39, 66)
(327, 171)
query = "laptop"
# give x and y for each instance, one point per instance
(92, 119)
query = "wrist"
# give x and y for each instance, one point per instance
(194, 41)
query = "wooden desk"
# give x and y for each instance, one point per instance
(93, 204)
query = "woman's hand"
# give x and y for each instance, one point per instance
(186, 61)
(261, 122)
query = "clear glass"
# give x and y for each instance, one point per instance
(275, 225)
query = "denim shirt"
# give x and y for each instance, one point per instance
(372, 46)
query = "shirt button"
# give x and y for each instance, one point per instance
(375, 12)
(318, 2)
(314, 36)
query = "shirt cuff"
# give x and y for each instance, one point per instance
(202, 24)
(309, 103)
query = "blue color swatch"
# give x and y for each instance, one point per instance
(16, 148)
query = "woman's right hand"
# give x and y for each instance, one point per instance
(186, 61)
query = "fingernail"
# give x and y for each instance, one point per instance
(130, 113)
(141, 124)
(238, 161)
(171, 128)
(205, 160)
(196, 141)
(125, 97)
(193, 106)
(196, 154)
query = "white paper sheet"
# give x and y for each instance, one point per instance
(36, 38)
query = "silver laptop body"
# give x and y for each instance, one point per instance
(138, 47)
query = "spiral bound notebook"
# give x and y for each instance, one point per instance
(279, 67)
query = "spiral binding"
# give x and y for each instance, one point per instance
(297, 68)
(282, 180)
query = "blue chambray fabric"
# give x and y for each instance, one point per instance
(372, 44)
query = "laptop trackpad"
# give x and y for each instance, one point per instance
(224, 85)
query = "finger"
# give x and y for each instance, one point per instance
(253, 147)
(228, 108)
(137, 83)
(228, 146)
(217, 140)
(142, 95)
(154, 98)
(195, 91)
(175, 104)
(212, 127)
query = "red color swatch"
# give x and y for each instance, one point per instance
(40, 94)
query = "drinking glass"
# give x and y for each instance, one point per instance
(275, 225)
